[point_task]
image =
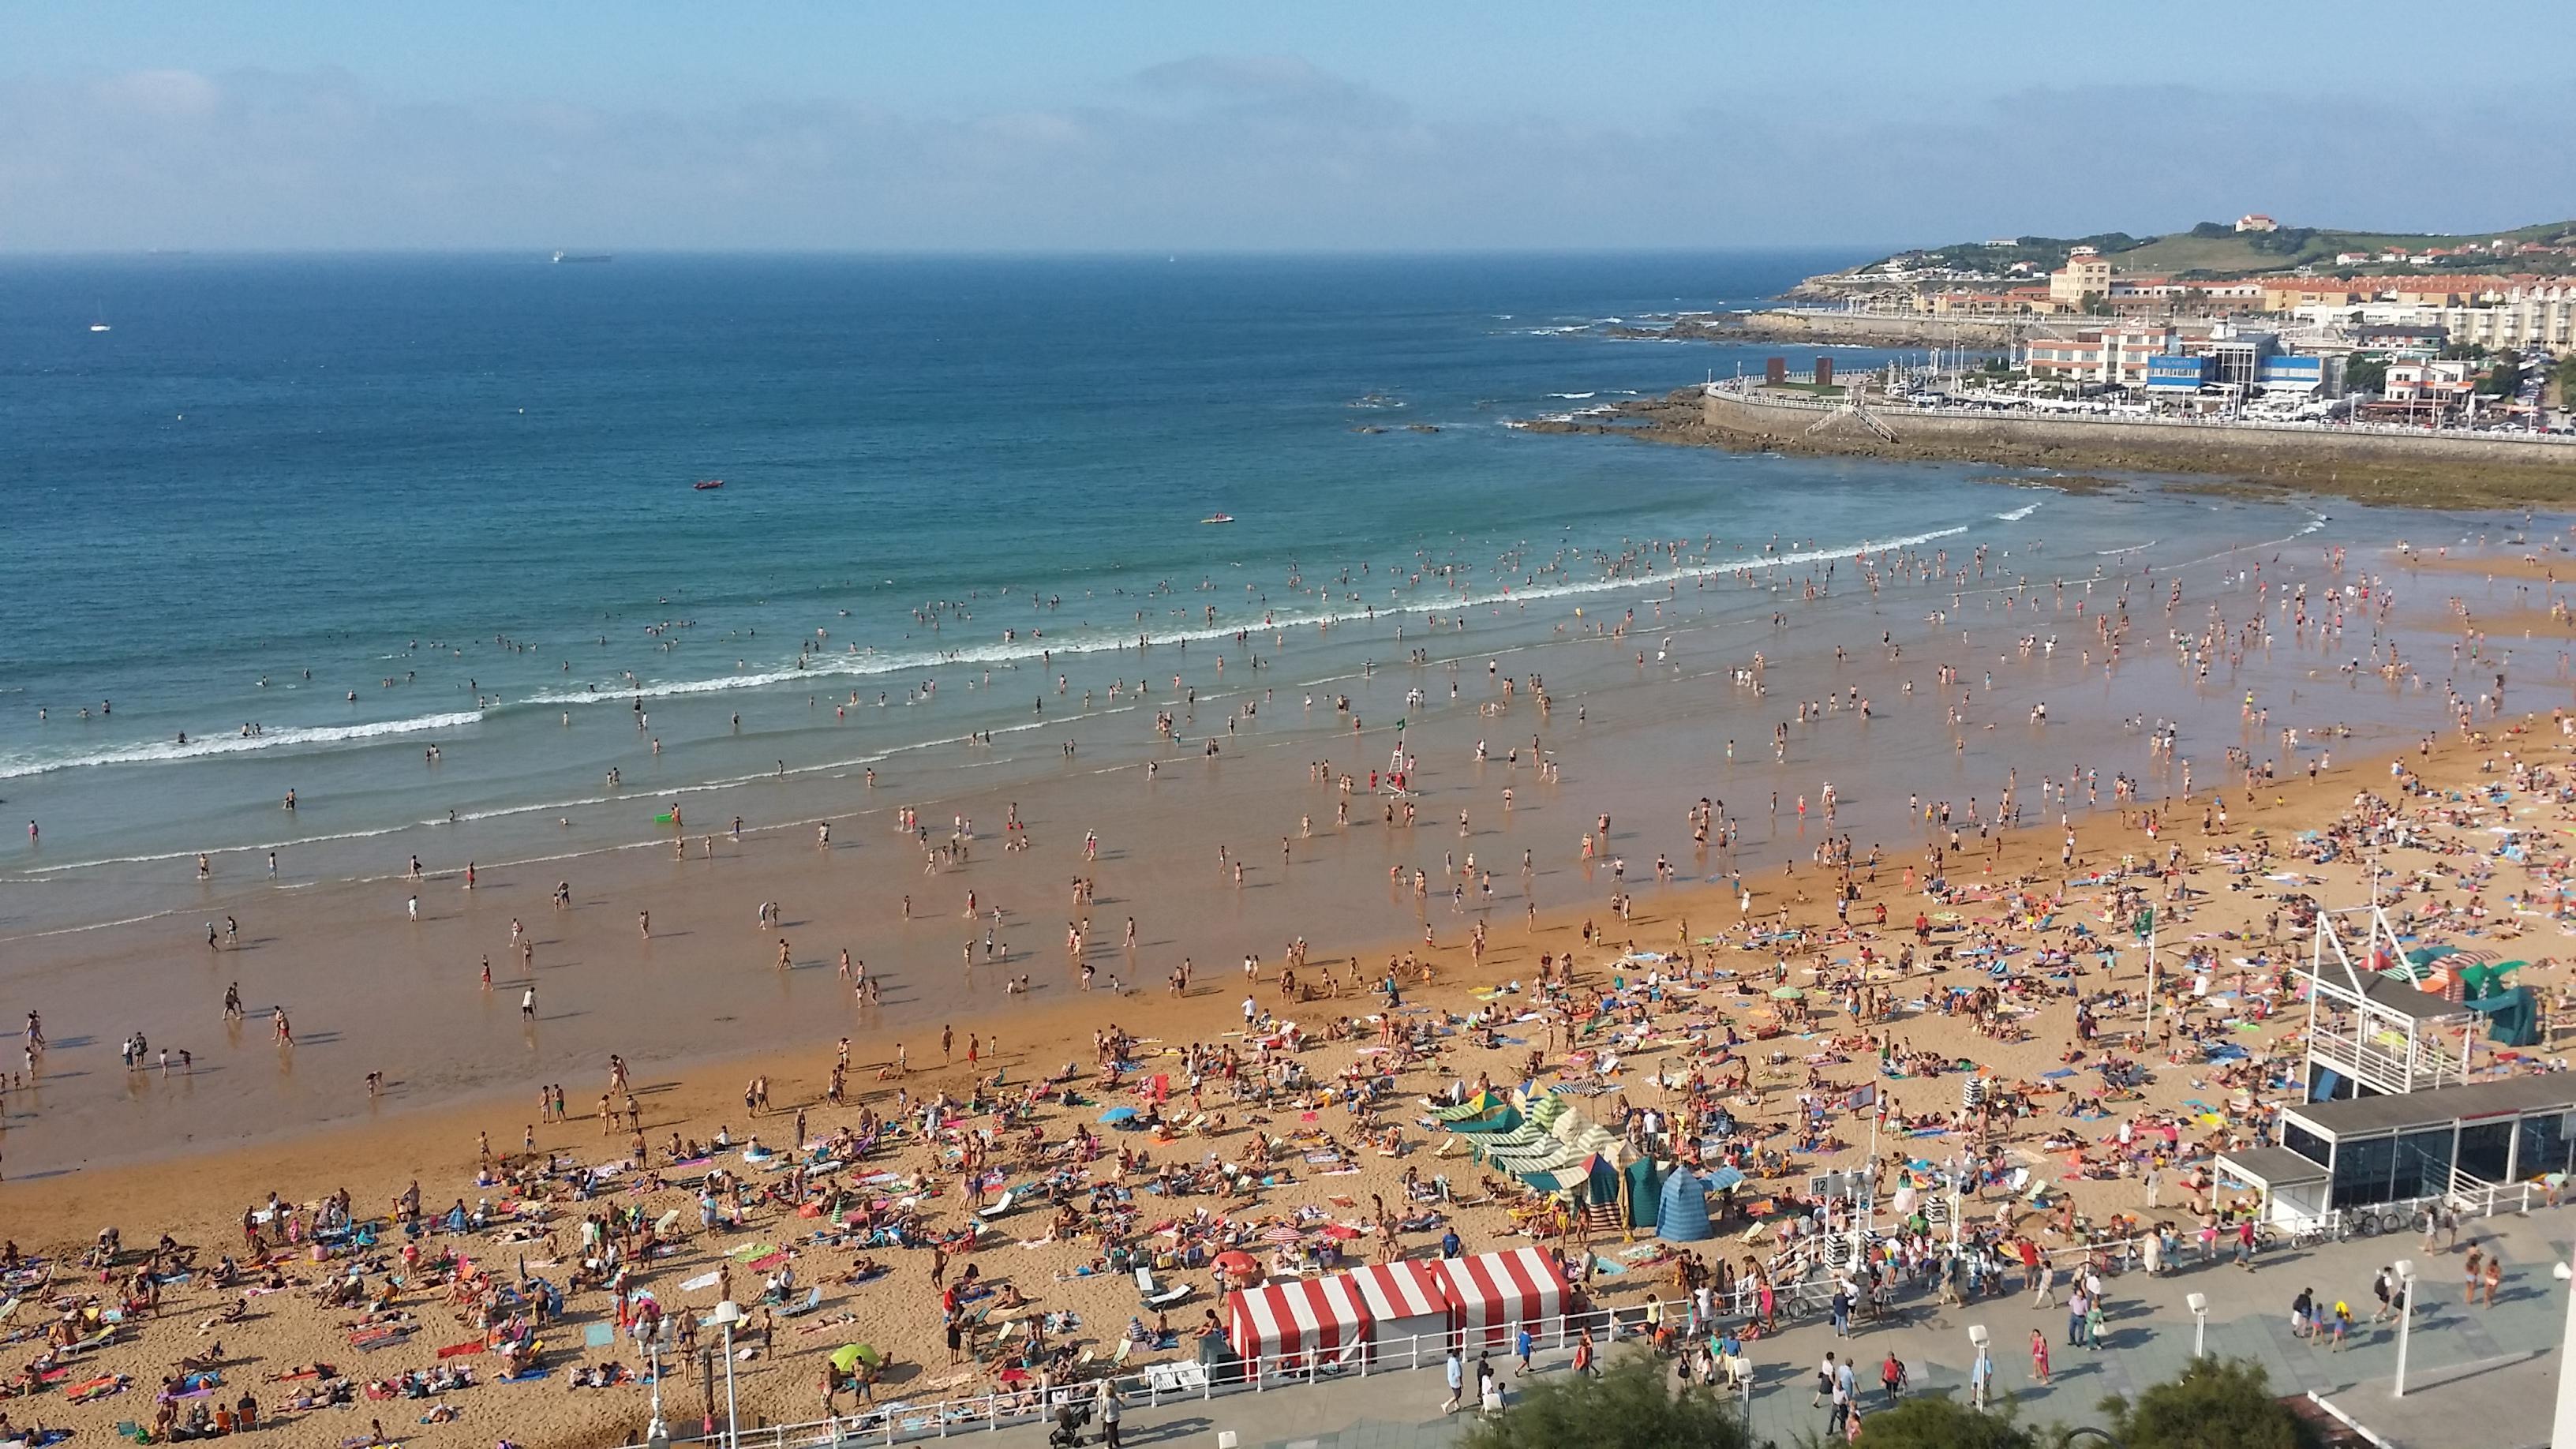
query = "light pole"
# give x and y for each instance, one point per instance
(728, 1313)
(1981, 1370)
(657, 1435)
(2198, 1303)
(2562, 1429)
(2404, 1268)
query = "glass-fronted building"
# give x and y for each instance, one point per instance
(2365, 1151)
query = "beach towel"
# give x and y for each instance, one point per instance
(459, 1350)
(598, 1335)
(703, 1280)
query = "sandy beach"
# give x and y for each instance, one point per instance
(664, 956)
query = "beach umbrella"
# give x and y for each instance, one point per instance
(856, 1353)
(1786, 993)
(1117, 1114)
(1235, 1260)
(1719, 1179)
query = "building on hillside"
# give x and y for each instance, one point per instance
(2256, 221)
(2528, 314)
(2087, 273)
(1965, 302)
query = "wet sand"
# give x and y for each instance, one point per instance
(367, 990)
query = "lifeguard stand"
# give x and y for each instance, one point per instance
(2373, 1035)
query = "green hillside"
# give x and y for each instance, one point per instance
(2218, 249)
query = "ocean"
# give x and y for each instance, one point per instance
(415, 538)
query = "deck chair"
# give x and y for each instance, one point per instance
(1001, 1206)
(812, 1300)
(1155, 1296)
(1126, 1350)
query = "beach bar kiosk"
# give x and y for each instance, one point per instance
(2366, 1152)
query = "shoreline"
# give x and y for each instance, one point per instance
(710, 1001)
(200, 1197)
(2379, 474)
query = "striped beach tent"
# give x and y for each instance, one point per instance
(1298, 1318)
(1405, 1301)
(1492, 1294)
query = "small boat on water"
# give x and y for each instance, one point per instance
(707, 484)
(1218, 518)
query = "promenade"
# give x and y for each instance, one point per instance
(2483, 1376)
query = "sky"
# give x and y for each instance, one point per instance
(1137, 126)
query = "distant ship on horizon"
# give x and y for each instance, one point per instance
(563, 257)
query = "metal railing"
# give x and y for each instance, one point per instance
(1157, 1384)
(1161, 1383)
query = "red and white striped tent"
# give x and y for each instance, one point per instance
(1322, 1317)
(1405, 1300)
(1492, 1294)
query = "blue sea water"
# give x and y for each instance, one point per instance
(459, 490)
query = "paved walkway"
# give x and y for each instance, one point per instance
(2483, 1376)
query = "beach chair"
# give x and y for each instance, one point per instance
(812, 1300)
(1155, 1296)
(1001, 1206)
(1126, 1350)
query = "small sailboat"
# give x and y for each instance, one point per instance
(1218, 518)
(707, 485)
(101, 324)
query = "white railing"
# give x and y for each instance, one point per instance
(2479, 1198)
(1162, 1383)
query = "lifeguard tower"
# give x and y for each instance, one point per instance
(2371, 1034)
(2389, 1118)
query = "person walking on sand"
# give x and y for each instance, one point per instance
(528, 1002)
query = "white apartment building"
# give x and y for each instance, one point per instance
(2540, 317)
(2108, 356)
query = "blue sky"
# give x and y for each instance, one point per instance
(1209, 126)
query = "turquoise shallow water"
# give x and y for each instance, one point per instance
(459, 490)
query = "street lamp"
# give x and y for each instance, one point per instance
(2404, 1268)
(728, 1313)
(657, 1435)
(1981, 1371)
(2562, 1432)
(2198, 1303)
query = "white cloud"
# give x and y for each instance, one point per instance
(1208, 152)
(159, 95)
